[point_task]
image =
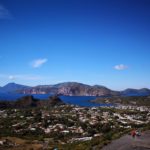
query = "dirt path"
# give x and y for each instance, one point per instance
(128, 143)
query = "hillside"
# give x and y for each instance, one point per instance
(31, 102)
(125, 100)
(136, 92)
(72, 89)
(12, 88)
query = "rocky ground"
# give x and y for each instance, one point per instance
(129, 143)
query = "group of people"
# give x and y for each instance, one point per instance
(135, 133)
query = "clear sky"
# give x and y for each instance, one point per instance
(104, 42)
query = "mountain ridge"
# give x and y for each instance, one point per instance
(71, 89)
(12, 87)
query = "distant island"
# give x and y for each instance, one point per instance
(72, 89)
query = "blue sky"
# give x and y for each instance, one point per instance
(90, 41)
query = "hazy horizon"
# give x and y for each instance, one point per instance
(100, 42)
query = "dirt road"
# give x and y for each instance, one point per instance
(128, 143)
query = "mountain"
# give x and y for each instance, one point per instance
(136, 92)
(12, 87)
(2, 90)
(70, 89)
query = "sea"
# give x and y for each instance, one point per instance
(75, 100)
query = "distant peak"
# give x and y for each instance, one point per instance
(100, 86)
(11, 83)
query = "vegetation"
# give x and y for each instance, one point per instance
(68, 126)
(125, 100)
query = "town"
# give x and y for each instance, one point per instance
(65, 126)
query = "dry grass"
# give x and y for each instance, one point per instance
(23, 144)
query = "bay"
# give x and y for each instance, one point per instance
(75, 100)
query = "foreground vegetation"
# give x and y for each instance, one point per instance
(68, 127)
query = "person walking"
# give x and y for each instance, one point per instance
(133, 133)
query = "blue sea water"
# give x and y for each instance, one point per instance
(76, 100)
(82, 101)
